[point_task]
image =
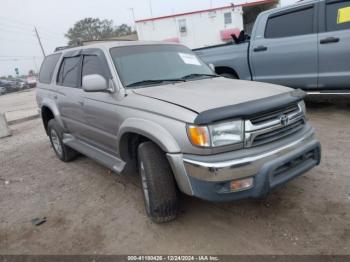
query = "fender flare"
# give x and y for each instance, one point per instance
(152, 131)
(53, 107)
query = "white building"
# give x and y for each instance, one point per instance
(204, 27)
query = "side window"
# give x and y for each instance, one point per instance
(47, 68)
(299, 22)
(69, 74)
(338, 16)
(228, 18)
(92, 64)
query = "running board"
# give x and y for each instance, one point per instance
(330, 92)
(90, 151)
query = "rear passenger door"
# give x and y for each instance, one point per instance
(71, 100)
(334, 45)
(285, 51)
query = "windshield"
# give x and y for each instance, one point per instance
(155, 64)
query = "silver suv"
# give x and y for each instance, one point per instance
(157, 108)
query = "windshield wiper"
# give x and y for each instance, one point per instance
(197, 75)
(154, 81)
(158, 81)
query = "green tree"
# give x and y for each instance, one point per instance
(95, 29)
(123, 30)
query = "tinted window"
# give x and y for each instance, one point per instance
(92, 64)
(47, 68)
(69, 74)
(296, 23)
(338, 16)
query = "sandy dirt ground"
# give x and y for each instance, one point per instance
(92, 211)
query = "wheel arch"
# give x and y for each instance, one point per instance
(49, 111)
(135, 131)
(226, 69)
(46, 115)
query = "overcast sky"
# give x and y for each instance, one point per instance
(54, 17)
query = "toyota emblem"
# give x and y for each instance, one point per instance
(284, 120)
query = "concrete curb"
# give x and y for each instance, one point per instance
(24, 119)
(5, 131)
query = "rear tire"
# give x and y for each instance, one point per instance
(62, 151)
(158, 184)
(228, 75)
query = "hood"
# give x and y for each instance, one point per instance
(206, 94)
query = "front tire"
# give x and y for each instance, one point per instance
(158, 184)
(62, 151)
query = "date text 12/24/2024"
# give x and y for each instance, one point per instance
(173, 258)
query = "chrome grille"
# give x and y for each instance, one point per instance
(274, 114)
(273, 125)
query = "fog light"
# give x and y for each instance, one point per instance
(241, 184)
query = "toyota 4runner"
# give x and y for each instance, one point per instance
(157, 108)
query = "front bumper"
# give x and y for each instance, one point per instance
(209, 177)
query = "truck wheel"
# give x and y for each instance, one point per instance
(63, 152)
(228, 75)
(158, 184)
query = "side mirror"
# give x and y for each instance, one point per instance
(212, 67)
(95, 83)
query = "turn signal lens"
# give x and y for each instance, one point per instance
(242, 184)
(199, 135)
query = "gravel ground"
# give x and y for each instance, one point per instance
(90, 210)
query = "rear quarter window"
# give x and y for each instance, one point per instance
(47, 68)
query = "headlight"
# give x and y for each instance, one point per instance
(222, 134)
(226, 133)
(302, 106)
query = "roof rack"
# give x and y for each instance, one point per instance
(88, 42)
(60, 48)
(106, 40)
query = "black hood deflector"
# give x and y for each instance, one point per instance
(250, 109)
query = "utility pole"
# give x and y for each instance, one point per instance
(151, 11)
(133, 17)
(38, 37)
(150, 8)
(35, 65)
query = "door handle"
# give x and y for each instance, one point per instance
(329, 40)
(55, 96)
(260, 48)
